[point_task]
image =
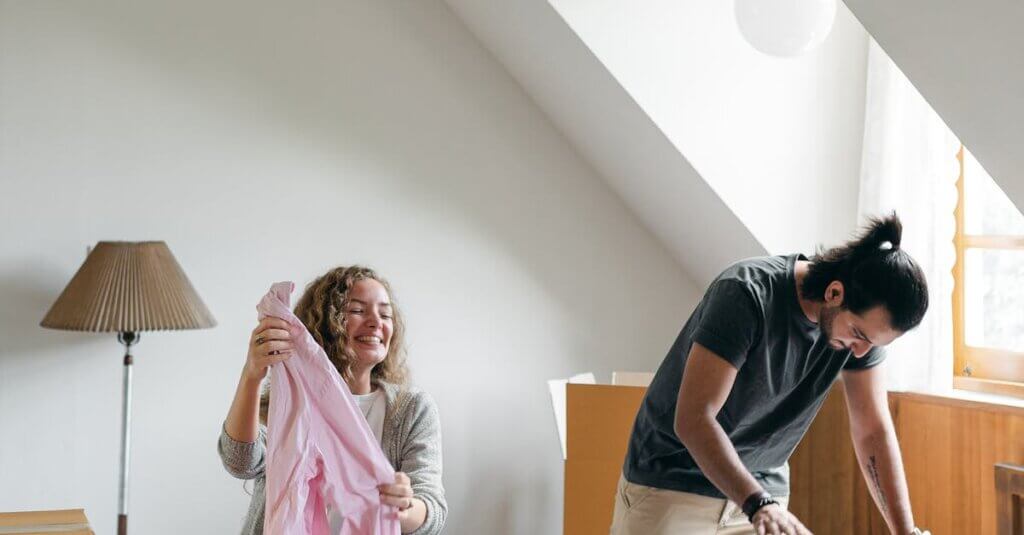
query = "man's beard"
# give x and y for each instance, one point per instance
(825, 320)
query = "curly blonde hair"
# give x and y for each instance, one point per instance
(321, 309)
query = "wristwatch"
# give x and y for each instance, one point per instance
(755, 502)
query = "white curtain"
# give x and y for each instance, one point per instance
(909, 165)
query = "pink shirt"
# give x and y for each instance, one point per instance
(320, 450)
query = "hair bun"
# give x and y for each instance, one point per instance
(882, 234)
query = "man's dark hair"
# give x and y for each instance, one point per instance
(874, 271)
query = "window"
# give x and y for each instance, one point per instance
(988, 293)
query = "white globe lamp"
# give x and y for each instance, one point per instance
(785, 28)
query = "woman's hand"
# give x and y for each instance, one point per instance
(411, 511)
(399, 494)
(269, 344)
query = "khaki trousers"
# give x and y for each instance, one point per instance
(642, 510)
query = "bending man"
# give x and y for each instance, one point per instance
(744, 379)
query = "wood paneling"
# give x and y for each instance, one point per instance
(950, 452)
(949, 447)
(828, 493)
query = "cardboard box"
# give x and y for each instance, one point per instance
(599, 420)
(63, 522)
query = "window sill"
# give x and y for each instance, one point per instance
(966, 399)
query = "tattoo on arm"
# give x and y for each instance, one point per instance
(873, 470)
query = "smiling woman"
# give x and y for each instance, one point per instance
(350, 313)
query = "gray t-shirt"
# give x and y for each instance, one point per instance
(750, 316)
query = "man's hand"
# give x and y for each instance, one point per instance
(774, 520)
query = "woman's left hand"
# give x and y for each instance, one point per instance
(399, 494)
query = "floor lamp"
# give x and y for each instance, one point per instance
(127, 288)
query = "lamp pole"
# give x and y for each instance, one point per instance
(128, 338)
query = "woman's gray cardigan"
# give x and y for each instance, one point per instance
(411, 441)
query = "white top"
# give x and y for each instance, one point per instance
(373, 405)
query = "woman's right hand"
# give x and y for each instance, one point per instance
(269, 344)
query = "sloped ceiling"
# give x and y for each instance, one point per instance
(612, 131)
(967, 59)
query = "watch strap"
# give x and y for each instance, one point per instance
(755, 502)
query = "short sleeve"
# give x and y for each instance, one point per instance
(730, 322)
(873, 358)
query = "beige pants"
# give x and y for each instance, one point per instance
(642, 510)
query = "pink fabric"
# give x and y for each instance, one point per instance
(320, 450)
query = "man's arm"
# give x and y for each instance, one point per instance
(707, 381)
(878, 452)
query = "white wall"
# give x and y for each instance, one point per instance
(778, 139)
(266, 142)
(605, 124)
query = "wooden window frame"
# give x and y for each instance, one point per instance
(981, 369)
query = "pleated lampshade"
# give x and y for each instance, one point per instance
(129, 287)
